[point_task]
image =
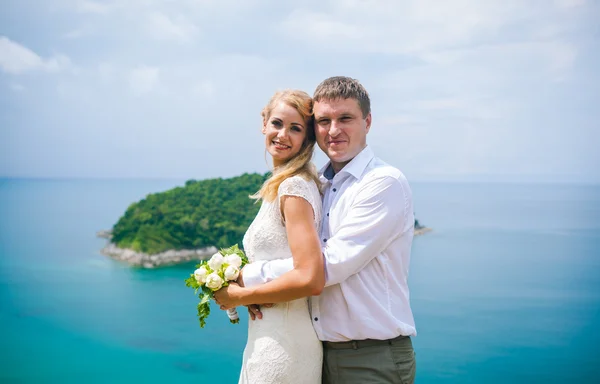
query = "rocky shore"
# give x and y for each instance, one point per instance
(163, 259)
(422, 230)
(144, 260)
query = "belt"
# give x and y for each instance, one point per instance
(356, 344)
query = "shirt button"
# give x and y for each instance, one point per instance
(316, 319)
(327, 214)
(334, 190)
(324, 240)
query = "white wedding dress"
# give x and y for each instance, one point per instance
(282, 347)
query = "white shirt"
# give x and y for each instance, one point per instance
(367, 232)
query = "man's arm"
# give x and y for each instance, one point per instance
(261, 271)
(378, 215)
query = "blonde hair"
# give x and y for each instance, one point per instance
(301, 163)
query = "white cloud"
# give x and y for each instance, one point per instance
(399, 27)
(433, 30)
(318, 25)
(14, 58)
(502, 62)
(78, 33)
(458, 86)
(88, 6)
(178, 29)
(17, 59)
(143, 79)
(58, 63)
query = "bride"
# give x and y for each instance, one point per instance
(283, 347)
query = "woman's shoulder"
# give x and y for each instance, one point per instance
(298, 183)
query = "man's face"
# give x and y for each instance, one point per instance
(341, 130)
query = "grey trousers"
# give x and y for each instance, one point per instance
(369, 361)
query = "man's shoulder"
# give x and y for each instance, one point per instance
(379, 169)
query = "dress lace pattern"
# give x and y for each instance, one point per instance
(282, 347)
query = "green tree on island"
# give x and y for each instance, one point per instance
(212, 212)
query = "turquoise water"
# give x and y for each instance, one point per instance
(506, 289)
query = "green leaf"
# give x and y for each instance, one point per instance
(205, 298)
(203, 312)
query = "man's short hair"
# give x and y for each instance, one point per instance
(342, 87)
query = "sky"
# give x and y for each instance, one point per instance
(461, 90)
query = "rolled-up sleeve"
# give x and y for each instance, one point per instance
(261, 271)
(377, 216)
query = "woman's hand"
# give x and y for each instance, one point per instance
(230, 296)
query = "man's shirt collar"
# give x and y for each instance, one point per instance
(355, 167)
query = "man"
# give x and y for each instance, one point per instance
(363, 314)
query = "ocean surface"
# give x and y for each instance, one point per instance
(506, 289)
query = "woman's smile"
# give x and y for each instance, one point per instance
(280, 145)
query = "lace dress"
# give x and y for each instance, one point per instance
(282, 347)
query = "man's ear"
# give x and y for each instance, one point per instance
(368, 121)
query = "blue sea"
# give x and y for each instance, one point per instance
(505, 289)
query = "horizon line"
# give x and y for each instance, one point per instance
(462, 180)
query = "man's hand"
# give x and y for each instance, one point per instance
(254, 311)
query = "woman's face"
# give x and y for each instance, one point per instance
(285, 132)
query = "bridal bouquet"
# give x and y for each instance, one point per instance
(214, 274)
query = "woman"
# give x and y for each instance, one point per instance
(283, 346)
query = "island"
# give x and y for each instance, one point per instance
(187, 223)
(420, 229)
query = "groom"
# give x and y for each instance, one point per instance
(363, 314)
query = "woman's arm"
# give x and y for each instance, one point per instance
(308, 276)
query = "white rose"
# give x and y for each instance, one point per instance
(214, 281)
(200, 274)
(234, 260)
(216, 261)
(232, 273)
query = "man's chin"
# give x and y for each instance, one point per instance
(338, 157)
